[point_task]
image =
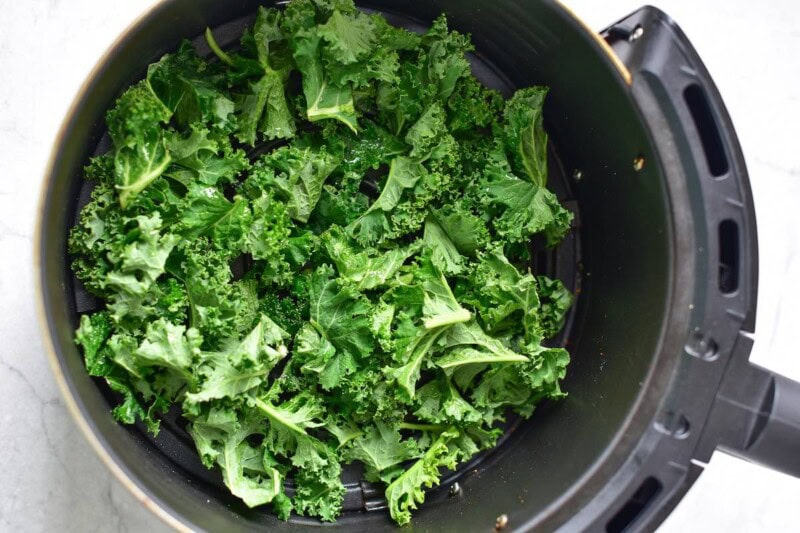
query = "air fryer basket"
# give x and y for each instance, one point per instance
(663, 259)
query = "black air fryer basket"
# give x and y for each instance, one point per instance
(663, 259)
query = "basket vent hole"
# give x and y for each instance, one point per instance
(634, 507)
(728, 257)
(707, 130)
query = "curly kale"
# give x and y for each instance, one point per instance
(349, 290)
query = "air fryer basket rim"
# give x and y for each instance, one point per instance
(652, 429)
(86, 424)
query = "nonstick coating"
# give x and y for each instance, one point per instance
(618, 258)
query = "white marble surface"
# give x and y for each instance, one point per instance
(50, 478)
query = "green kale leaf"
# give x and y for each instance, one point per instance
(136, 127)
(524, 137)
(408, 490)
(323, 99)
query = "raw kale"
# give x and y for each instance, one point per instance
(353, 293)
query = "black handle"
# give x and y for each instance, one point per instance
(756, 416)
(755, 413)
(775, 441)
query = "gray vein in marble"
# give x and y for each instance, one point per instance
(780, 321)
(121, 526)
(8, 231)
(791, 171)
(43, 405)
(54, 447)
(21, 375)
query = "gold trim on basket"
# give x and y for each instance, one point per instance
(620, 66)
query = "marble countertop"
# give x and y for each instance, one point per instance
(51, 479)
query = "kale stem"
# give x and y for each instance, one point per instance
(277, 417)
(422, 427)
(212, 43)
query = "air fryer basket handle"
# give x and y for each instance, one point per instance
(757, 417)
(755, 413)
